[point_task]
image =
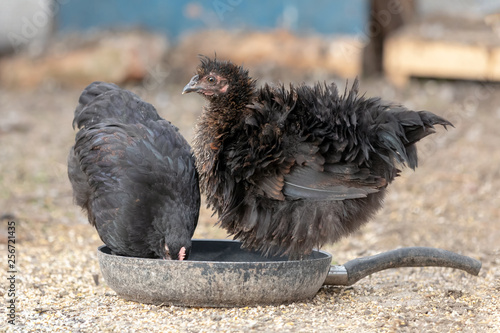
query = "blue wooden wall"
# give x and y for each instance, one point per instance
(177, 17)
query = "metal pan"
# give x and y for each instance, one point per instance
(221, 274)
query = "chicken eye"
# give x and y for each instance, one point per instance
(211, 79)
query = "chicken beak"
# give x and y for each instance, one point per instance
(192, 85)
(167, 253)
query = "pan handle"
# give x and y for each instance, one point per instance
(354, 270)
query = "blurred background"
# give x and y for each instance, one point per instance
(76, 41)
(442, 56)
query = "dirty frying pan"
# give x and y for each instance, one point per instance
(221, 274)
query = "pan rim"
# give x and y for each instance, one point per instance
(323, 256)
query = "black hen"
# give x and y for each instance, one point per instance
(289, 170)
(134, 174)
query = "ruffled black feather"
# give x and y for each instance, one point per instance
(288, 170)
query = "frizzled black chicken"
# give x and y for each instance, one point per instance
(288, 170)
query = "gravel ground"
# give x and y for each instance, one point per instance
(450, 202)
